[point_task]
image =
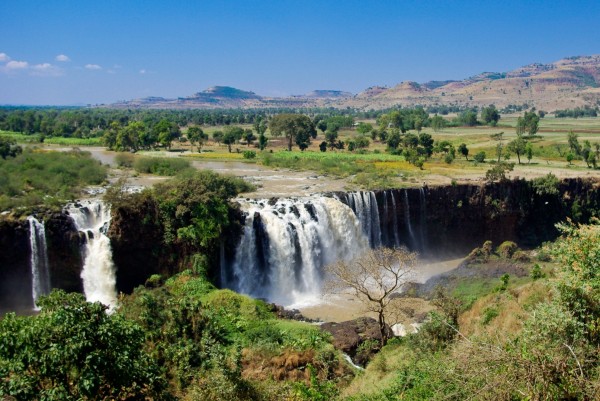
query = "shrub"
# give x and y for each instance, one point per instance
(507, 249)
(479, 157)
(249, 154)
(168, 166)
(489, 314)
(536, 272)
(124, 159)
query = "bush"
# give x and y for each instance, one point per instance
(168, 166)
(249, 154)
(489, 314)
(124, 159)
(51, 178)
(507, 249)
(479, 157)
(536, 272)
(75, 350)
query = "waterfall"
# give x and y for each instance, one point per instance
(40, 273)
(407, 219)
(395, 221)
(92, 218)
(285, 244)
(364, 205)
(422, 219)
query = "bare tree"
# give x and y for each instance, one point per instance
(373, 278)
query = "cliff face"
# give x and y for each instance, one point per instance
(15, 270)
(455, 219)
(64, 258)
(431, 220)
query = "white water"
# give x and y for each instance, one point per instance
(40, 273)
(99, 274)
(285, 245)
(364, 205)
(407, 219)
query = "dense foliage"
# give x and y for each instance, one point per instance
(549, 351)
(38, 177)
(75, 350)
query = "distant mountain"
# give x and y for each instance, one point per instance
(567, 83)
(327, 94)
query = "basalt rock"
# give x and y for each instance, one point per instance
(348, 337)
(15, 269)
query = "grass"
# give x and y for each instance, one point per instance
(57, 140)
(44, 177)
(54, 140)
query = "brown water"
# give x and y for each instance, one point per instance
(338, 308)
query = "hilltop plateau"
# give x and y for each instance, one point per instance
(565, 84)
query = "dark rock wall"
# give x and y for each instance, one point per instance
(15, 270)
(455, 219)
(444, 220)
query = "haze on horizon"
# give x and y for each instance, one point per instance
(91, 52)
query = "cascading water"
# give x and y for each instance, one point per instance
(364, 205)
(422, 219)
(407, 219)
(286, 243)
(395, 220)
(40, 272)
(99, 276)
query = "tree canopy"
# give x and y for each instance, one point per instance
(294, 127)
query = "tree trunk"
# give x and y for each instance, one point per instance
(290, 144)
(382, 330)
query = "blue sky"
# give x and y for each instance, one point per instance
(80, 52)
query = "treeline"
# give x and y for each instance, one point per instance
(92, 122)
(577, 112)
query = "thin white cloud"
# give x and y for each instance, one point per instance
(4, 57)
(16, 65)
(62, 58)
(93, 67)
(142, 71)
(46, 70)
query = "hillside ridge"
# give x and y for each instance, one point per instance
(566, 83)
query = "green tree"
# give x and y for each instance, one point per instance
(463, 150)
(529, 123)
(499, 146)
(479, 157)
(498, 172)
(468, 118)
(364, 128)
(331, 138)
(361, 142)
(75, 350)
(426, 143)
(229, 138)
(294, 127)
(218, 136)
(518, 146)
(249, 137)
(195, 208)
(572, 140)
(490, 116)
(9, 147)
(260, 126)
(529, 152)
(438, 123)
(128, 138)
(262, 141)
(166, 132)
(196, 135)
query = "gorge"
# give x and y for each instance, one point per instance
(282, 243)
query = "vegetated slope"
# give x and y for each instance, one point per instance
(564, 84)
